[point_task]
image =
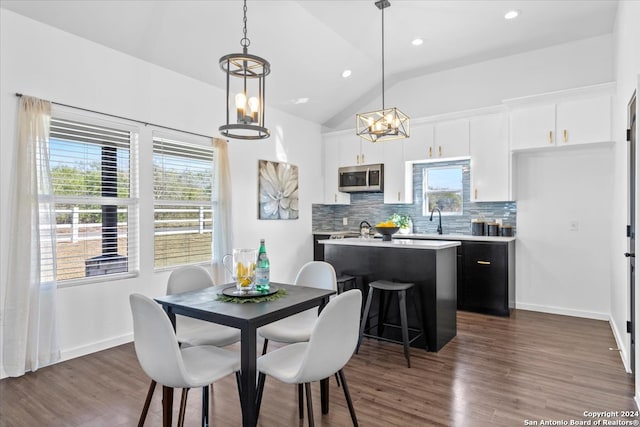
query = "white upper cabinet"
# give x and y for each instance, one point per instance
(398, 182)
(356, 151)
(533, 127)
(371, 152)
(489, 147)
(331, 163)
(581, 116)
(349, 150)
(584, 121)
(438, 141)
(420, 145)
(451, 139)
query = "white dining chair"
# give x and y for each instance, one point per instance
(297, 328)
(331, 345)
(190, 331)
(166, 363)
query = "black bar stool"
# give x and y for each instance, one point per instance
(401, 290)
(345, 279)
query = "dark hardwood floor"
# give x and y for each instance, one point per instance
(496, 372)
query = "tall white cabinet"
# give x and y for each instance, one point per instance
(489, 148)
(332, 152)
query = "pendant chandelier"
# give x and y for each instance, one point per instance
(245, 83)
(387, 123)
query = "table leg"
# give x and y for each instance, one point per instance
(167, 392)
(248, 376)
(324, 395)
(167, 405)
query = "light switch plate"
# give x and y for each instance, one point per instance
(345, 220)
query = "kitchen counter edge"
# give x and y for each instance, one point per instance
(395, 243)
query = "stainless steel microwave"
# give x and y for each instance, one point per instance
(362, 178)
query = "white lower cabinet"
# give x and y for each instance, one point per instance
(489, 149)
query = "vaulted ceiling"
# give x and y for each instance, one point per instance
(309, 43)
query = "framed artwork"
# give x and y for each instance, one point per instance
(277, 190)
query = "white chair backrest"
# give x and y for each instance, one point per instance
(334, 338)
(189, 278)
(155, 342)
(317, 274)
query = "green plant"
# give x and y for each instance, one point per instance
(401, 221)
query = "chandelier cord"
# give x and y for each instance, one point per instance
(383, 57)
(244, 41)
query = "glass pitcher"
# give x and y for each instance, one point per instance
(242, 268)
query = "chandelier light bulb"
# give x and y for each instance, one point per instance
(254, 105)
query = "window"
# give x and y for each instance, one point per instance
(182, 188)
(443, 190)
(93, 173)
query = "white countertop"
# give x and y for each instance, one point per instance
(395, 243)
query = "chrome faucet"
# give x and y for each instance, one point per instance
(439, 230)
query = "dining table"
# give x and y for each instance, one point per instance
(204, 304)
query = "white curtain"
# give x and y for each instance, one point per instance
(29, 327)
(222, 229)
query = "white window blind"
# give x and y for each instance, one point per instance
(94, 177)
(182, 188)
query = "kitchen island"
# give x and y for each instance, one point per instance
(430, 264)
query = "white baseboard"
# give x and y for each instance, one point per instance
(621, 346)
(72, 353)
(563, 311)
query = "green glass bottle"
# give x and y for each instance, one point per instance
(262, 269)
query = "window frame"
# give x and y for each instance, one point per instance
(132, 202)
(425, 190)
(198, 142)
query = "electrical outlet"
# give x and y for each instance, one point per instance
(345, 220)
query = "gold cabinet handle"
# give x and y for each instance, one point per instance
(440, 150)
(484, 262)
(430, 152)
(362, 158)
(335, 198)
(398, 196)
(564, 136)
(550, 137)
(357, 159)
(475, 193)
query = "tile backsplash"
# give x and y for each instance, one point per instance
(371, 207)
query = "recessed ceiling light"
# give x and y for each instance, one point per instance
(511, 14)
(417, 42)
(300, 100)
(346, 73)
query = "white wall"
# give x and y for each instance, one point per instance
(41, 61)
(627, 73)
(562, 262)
(575, 64)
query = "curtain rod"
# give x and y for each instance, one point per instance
(19, 95)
